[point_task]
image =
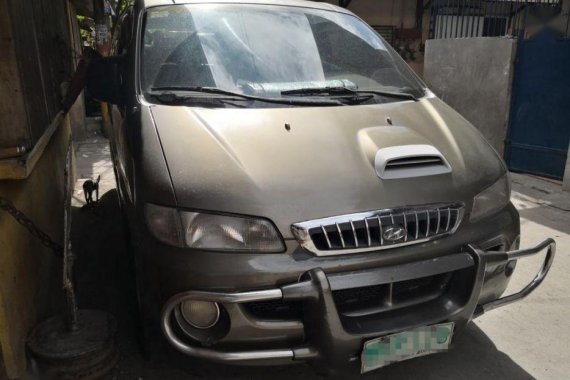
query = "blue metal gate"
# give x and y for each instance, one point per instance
(539, 126)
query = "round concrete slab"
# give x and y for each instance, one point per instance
(86, 353)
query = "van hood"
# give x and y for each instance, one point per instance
(246, 161)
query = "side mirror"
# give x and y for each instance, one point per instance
(105, 79)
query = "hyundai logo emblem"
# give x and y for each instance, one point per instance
(394, 232)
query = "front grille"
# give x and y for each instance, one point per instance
(378, 229)
(356, 302)
(385, 297)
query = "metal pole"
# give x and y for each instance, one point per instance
(509, 22)
(445, 19)
(462, 18)
(419, 14)
(498, 19)
(68, 258)
(492, 19)
(479, 17)
(456, 17)
(517, 19)
(472, 17)
(503, 22)
(514, 14)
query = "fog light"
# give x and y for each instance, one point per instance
(200, 314)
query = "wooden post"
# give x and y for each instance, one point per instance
(14, 126)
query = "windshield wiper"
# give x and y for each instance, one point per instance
(172, 98)
(176, 91)
(340, 91)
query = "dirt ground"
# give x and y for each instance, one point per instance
(524, 341)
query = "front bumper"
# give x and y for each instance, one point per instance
(331, 341)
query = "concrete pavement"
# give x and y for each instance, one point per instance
(535, 332)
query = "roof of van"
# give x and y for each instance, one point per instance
(296, 3)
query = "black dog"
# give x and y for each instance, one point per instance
(89, 187)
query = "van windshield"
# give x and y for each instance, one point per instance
(268, 51)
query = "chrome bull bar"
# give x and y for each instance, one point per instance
(490, 257)
(317, 290)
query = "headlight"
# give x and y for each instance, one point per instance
(211, 231)
(492, 198)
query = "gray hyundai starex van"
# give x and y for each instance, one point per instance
(293, 190)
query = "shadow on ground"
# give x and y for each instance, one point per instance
(548, 216)
(105, 280)
(542, 202)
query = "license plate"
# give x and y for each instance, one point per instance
(405, 345)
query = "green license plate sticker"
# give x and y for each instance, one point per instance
(405, 345)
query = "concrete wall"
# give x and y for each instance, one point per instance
(474, 76)
(30, 275)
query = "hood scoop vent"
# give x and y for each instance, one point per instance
(417, 162)
(408, 161)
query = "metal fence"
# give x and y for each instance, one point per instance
(494, 18)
